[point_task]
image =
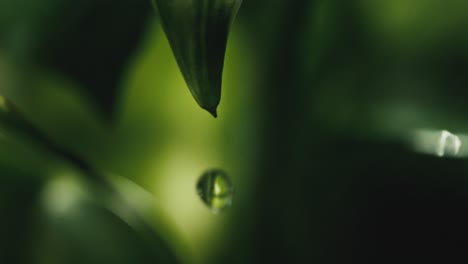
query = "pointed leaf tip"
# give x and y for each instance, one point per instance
(198, 31)
(214, 113)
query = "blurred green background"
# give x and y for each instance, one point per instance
(321, 102)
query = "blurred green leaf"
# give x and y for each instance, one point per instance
(18, 199)
(89, 42)
(84, 224)
(198, 32)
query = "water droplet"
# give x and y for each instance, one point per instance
(449, 144)
(216, 190)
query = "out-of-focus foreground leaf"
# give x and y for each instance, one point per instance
(23, 172)
(198, 32)
(49, 215)
(88, 41)
(81, 224)
(18, 197)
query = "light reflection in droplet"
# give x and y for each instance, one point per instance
(216, 190)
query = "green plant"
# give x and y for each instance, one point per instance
(78, 50)
(329, 111)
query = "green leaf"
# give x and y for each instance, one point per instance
(83, 223)
(89, 42)
(19, 190)
(198, 32)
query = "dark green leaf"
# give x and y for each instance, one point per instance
(198, 31)
(18, 198)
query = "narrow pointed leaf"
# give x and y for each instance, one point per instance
(198, 31)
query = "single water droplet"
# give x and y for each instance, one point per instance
(216, 190)
(449, 144)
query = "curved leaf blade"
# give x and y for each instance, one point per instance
(80, 222)
(198, 31)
